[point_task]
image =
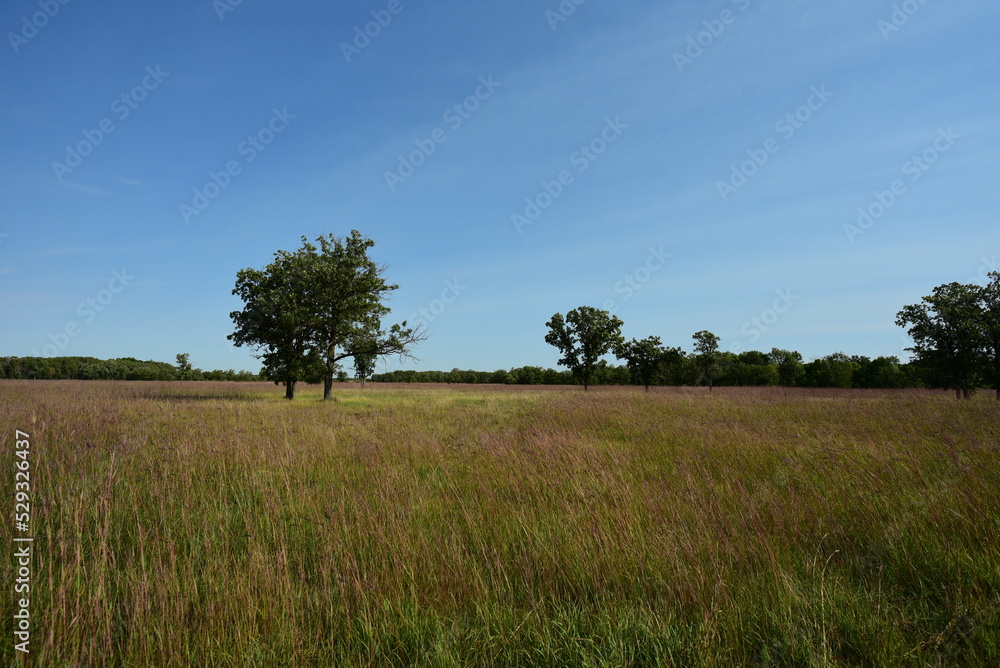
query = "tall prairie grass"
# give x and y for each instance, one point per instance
(217, 524)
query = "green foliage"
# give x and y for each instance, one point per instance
(91, 368)
(990, 304)
(647, 359)
(583, 337)
(707, 357)
(364, 363)
(950, 336)
(308, 310)
(184, 368)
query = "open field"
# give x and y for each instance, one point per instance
(218, 524)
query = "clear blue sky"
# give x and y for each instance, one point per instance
(668, 98)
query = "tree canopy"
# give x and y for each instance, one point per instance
(312, 308)
(949, 335)
(706, 348)
(583, 337)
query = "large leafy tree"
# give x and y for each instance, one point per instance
(307, 311)
(707, 357)
(949, 336)
(583, 337)
(647, 358)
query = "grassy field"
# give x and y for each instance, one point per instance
(218, 524)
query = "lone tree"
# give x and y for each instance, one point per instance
(309, 310)
(647, 358)
(707, 358)
(583, 336)
(949, 336)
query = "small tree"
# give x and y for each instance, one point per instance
(184, 366)
(949, 336)
(583, 336)
(706, 350)
(364, 361)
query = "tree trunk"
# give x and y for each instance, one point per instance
(327, 387)
(289, 389)
(958, 394)
(967, 395)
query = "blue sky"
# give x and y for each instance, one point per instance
(694, 166)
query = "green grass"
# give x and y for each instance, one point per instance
(218, 524)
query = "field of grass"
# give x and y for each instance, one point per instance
(218, 524)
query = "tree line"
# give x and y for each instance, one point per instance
(751, 368)
(123, 368)
(956, 346)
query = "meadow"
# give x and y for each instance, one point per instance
(217, 524)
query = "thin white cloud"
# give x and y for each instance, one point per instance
(85, 190)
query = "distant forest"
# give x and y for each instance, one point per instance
(753, 368)
(124, 368)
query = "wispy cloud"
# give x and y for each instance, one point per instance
(85, 190)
